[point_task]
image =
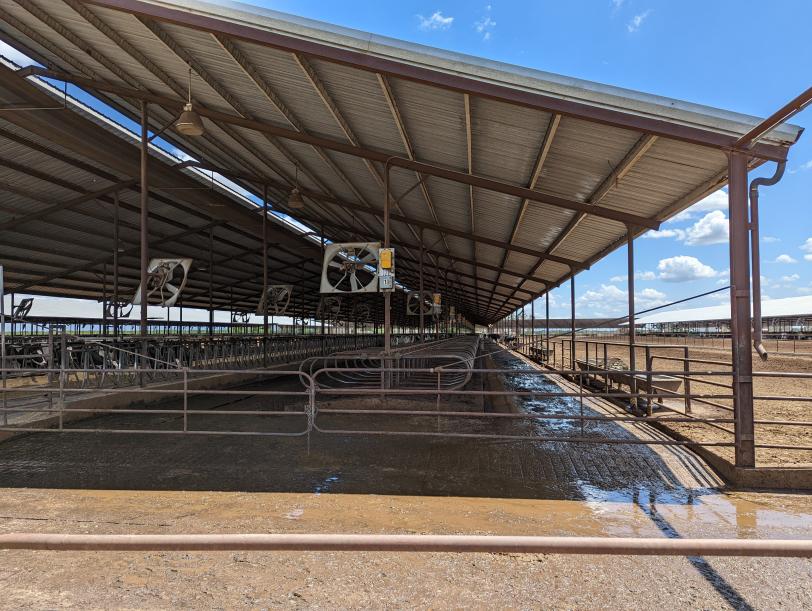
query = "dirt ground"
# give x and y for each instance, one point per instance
(781, 408)
(106, 580)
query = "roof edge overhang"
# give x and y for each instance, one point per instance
(569, 96)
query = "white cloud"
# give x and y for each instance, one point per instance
(609, 298)
(14, 55)
(683, 268)
(665, 233)
(650, 298)
(785, 259)
(710, 229)
(715, 201)
(790, 278)
(637, 21)
(769, 239)
(608, 293)
(806, 247)
(637, 276)
(616, 4)
(485, 25)
(802, 168)
(437, 21)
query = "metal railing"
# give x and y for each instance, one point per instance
(432, 390)
(691, 370)
(618, 546)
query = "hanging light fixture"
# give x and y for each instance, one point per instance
(295, 201)
(189, 122)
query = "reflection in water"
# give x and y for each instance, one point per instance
(549, 405)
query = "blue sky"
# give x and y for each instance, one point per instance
(746, 56)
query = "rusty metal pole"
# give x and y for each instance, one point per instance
(144, 230)
(144, 214)
(323, 340)
(211, 281)
(321, 542)
(742, 354)
(387, 296)
(522, 345)
(533, 325)
(572, 320)
(632, 330)
(547, 323)
(265, 275)
(115, 264)
(420, 300)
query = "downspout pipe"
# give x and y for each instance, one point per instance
(754, 253)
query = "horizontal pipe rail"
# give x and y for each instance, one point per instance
(775, 548)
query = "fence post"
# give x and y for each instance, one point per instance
(62, 364)
(649, 406)
(687, 371)
(185, 400)
(581, 398)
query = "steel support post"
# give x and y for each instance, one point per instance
(116, 247)
(144, 215)
(321, 239)
(632, 330)
(572, 321)
(211, 281)
(532, 324)
(741, 331)
(387, 296)
(420, 288)
(522, 346)
(3, 364)
(105, 300)
(265, 275)
(144, 232)
(547, 323)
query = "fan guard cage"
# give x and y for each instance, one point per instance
(350, 267)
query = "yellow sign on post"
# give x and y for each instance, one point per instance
(386, 269)
(387, 256)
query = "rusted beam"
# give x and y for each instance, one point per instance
(364, 153)
(66, 205)
(106, 259)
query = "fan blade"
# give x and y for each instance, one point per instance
(334, 264)
(354, 283)
(371, 256)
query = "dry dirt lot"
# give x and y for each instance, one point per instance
(152, 580)
(781, 408)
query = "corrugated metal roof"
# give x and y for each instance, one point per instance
(771, 308)
(588, 143)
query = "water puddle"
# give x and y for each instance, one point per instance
(326, 485)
